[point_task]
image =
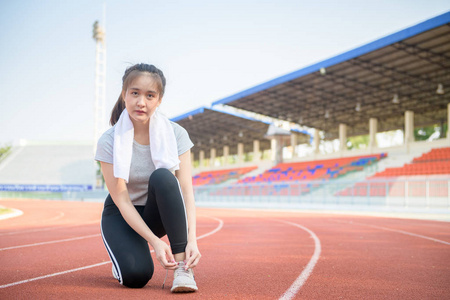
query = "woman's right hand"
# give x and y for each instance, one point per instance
(164, 255)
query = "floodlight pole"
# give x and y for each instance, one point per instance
(98, 34)
(100, 81)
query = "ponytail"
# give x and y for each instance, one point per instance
(117, 110)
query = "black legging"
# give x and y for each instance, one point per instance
(164, 213)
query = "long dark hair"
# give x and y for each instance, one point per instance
(130, 74)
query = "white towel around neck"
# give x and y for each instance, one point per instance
(163, 144)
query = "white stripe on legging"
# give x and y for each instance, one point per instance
(111, 255)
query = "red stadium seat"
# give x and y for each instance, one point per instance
(215, 177)
(435, 162)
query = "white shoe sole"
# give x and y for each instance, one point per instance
(184, 289)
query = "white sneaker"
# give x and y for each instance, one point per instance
(183, 281)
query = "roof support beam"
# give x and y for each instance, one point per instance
(403, 78)
(427, 55)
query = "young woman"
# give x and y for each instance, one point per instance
(145, 160)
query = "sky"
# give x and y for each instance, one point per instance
(208, 50)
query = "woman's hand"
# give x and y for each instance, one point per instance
(164, 255)
(192, 255)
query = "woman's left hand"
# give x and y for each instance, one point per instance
(192, 255)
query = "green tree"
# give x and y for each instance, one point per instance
(358, 142)
(100, 174)
(4, 150)
(423, 133)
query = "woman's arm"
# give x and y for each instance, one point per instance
(184, 176)
(119, 193)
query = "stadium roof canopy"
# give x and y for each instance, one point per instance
(360, 84)
(210, 128)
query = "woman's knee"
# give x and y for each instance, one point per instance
(136, 278)
(163, 179)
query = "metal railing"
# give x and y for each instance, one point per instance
(386, 194)
(414, 193)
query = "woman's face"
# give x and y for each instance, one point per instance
(141, 98)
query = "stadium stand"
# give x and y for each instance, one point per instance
(220, 176)
(297, 178)
(338, 110)
(320, 102)
(48, 167)
(315, 170)
(435, 163)
(441, 154)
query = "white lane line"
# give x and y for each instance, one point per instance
(59, 216)
(215, 230)
(15, 213)
(54, 274)
(219, 227)
(50, 242)
(403, 232)
(48, 228)
(301, 279)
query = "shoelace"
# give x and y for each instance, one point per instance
(182, 272)
(167, 272)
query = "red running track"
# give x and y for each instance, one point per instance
(54, 251)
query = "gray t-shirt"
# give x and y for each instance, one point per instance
(141, 160)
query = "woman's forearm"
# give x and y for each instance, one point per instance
(191, 217)
(134, 219)
(119, 193)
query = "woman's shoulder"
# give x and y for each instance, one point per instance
(105, 146)
(107, 137)
(178, 129)
(109, 132)
(183, 141)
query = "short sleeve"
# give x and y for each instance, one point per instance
(184, 143)
(105, 146)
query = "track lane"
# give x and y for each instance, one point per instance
(47, 236)
(245, 232)
(430, 229)
(252, 260)
(253, 256)
(25, 263)
(307, 271)
(360, 262)
(50, 242)
(218, 228)
(62, 260)
(43, 214)
(402, 232)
